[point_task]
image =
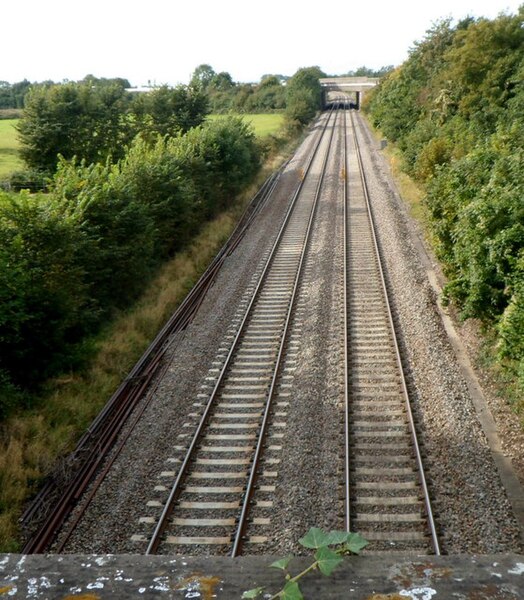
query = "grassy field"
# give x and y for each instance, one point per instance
(9, 159)
(263, 124)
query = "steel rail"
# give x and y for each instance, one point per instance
(347, 505)
(161, 525)
(242, 522)
(427, 502)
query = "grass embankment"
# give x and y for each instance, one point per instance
(9, 145)
(32, 440)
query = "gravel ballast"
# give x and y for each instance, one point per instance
(473, 512)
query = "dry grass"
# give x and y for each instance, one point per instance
(410, 191)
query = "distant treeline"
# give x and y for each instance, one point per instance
(94, 120)
(12, 95)
(271, 94)
(455, 108)
(223, 93)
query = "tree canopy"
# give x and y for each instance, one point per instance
(272, 93)
(96, 119)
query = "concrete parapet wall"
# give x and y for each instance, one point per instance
(65, 577)
(349, 84)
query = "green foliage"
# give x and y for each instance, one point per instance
(97, 119)
(303, 95)
(73, 120)
(367, 72)
(269, 95)
(12, 95)
(330, 549)
(169, 111)
(511, 323)
(27, 179)
(202, 76)
(69, 258)
(224, 155)
(456, 110)
(118, 229)
(42, 287)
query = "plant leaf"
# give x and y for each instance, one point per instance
(355, 543)
(291, 591)
(328, 560)
(254, 593)
(336, 537)
(282, 563)
(314, 538)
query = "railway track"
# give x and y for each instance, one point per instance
(230, 463)
(216, 491)
(52, 507)
(387, 499)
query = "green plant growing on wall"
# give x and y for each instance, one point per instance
(330, 549)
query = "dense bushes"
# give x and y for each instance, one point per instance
(456, 110)
(94, 120)
(225, 95)
(70, 257)
(73, 120)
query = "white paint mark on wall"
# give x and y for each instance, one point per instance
(422, 593)
(162, 584)
(518, 570)
(96, 585)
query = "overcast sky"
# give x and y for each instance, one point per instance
(162, 41)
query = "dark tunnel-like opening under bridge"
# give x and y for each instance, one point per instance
(352, 87)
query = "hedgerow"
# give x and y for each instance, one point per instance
(69, 258)
(455, 108)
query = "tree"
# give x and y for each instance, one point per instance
(170, 111)
(367, 72)
(455, 109)
(73, 120)
(42, 290)
(202, 76)
(222, 82)
(304, 95)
